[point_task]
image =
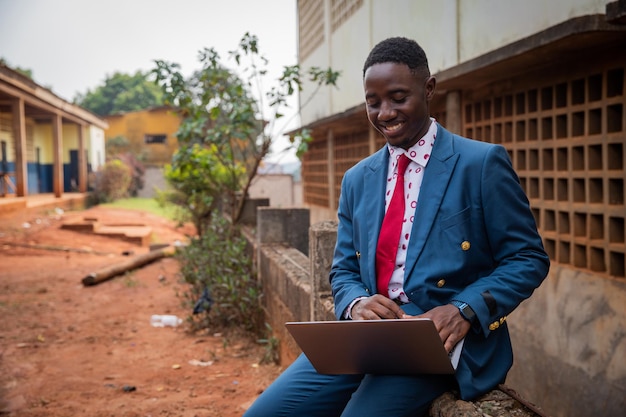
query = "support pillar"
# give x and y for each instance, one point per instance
(82, 160)
(57, 150)
(372, 139)
(454, 122)
(322, 239)
(330, 156)
(19, 139)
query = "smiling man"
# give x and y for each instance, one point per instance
(434, 226)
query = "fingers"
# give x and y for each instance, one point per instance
(376, 307)
(450, 325)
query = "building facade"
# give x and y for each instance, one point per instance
(47, 145)
(151, 133)
(546, 81)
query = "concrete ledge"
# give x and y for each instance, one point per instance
(286, 287)
(9, 205)
(290, 294)
(38, 202)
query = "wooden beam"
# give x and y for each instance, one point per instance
(82, 160)
(51, 109)
(330, 157)
(57, 149)
(19, 140)
(138, 261)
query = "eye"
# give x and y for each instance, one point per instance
(398, 98)
(370, 102)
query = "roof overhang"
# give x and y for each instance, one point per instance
(339, 123)
(568, 41)
(39, 102)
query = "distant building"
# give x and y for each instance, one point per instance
(151, 133)
(47, 145)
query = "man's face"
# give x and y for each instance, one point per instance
(397, 102)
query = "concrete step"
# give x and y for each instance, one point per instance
(138, 234)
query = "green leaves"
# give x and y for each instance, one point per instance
(122, 92)
(225, 110)
(324, 76)
(302, 139)
(218, 261)
(225, 134)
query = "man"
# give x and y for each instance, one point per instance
(468, 251)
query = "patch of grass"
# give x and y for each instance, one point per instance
(150, 205)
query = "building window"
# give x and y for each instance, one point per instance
(155, 138)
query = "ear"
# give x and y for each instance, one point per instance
(429, 87)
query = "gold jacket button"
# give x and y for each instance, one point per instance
(465, 245)
(441, 283)
(493, 326)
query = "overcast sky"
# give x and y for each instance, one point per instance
(72, 45)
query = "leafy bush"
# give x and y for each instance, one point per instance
(111, 182)
(199, 181)
(137, 171)
(222, 287)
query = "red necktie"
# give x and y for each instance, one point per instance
(390, 231)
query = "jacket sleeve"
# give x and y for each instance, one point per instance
(511, 233)
(346, 274)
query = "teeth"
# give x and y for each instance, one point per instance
(393, 128)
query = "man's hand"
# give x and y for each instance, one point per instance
(452, 327)
(376, 307)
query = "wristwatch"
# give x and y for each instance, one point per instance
(466, 311)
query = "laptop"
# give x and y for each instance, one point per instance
(392, 347)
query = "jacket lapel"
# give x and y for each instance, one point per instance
(434, 185)
(375, 176)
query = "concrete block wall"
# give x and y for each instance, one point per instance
(296, 288)
(288, 226)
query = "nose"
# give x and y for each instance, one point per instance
(386, 111)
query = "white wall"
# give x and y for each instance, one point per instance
(450, 31)
(279, 188)
(96, 147)
(486, 25)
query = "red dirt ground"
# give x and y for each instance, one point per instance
(71, 350)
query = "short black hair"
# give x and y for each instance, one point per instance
(399, 50)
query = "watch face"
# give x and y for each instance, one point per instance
(467, 312)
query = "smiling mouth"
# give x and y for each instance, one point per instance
(393, 128)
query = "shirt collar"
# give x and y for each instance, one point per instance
(420, 152)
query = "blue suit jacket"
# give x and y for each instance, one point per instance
(474, 239)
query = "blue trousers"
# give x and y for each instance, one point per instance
(301, 392)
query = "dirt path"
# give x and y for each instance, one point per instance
(71, 350)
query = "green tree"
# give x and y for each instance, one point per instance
(198, 179)
(122, 92)
(219, 111)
